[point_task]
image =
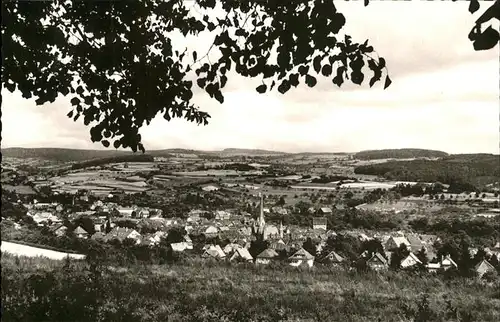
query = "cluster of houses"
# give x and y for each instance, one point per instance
(240, 229)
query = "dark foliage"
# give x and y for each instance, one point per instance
(463, 169)
(88, 46)
(399, 154)
(116, 159)
(62, 155)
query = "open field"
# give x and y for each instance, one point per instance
(368, 185)
(196, 291)
(135, 166)
(99, 182)
(22, 189)
(216, 173)
(30, 251)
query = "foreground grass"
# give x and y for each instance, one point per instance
(206, 291)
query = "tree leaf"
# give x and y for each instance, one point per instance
(375, 78)
(303, 69)
(366, 2)
(75, 101)
(219, 97)
(310, 80)
(201, 82)
(388, 82)
(357, 78)
(284, 87)
(326, 70)
(473, 6)
(105, 143)
(261, 89)
(70, 114)
(223, 81)
(195, 55)
(167, 116)
(294, 79)
(317, 64)
(486, 40)
(381, 62)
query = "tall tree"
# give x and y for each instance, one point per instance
(309, 246)
(422, 256)
(397, 256)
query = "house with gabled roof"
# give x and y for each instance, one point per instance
(415, 242)
(60, 230)
(122, 233)
(148, 240)
(433, 267)
(325, 210)
(222, 215)
(395, 242)
(211, 232)
(333, 259)
(80, 232)
(410, 261)
(447, 263)
(231, 247)
(484, 267)
(266, 256)
(241, 255)
(319, 223)
(181, 246)
(377, 262)
(301, 258)
(42, 218)
(214, 251)
(279, 245)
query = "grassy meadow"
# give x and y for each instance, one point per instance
(37, 289)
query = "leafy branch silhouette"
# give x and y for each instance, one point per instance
(116, 60)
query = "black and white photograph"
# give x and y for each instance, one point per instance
(250, 160)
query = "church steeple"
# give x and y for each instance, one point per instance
(262, 221)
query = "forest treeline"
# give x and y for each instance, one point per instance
(474, 169)
(399, 154)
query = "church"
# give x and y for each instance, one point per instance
(264, 231)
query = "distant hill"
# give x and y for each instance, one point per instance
(249, 152)
(61, 154)
(476, 169)
(399, 154)
(77, 155)
(115, 159)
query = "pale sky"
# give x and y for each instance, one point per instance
(444, 96)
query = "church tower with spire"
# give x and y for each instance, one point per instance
(261, 222)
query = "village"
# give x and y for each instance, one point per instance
(251, 220)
